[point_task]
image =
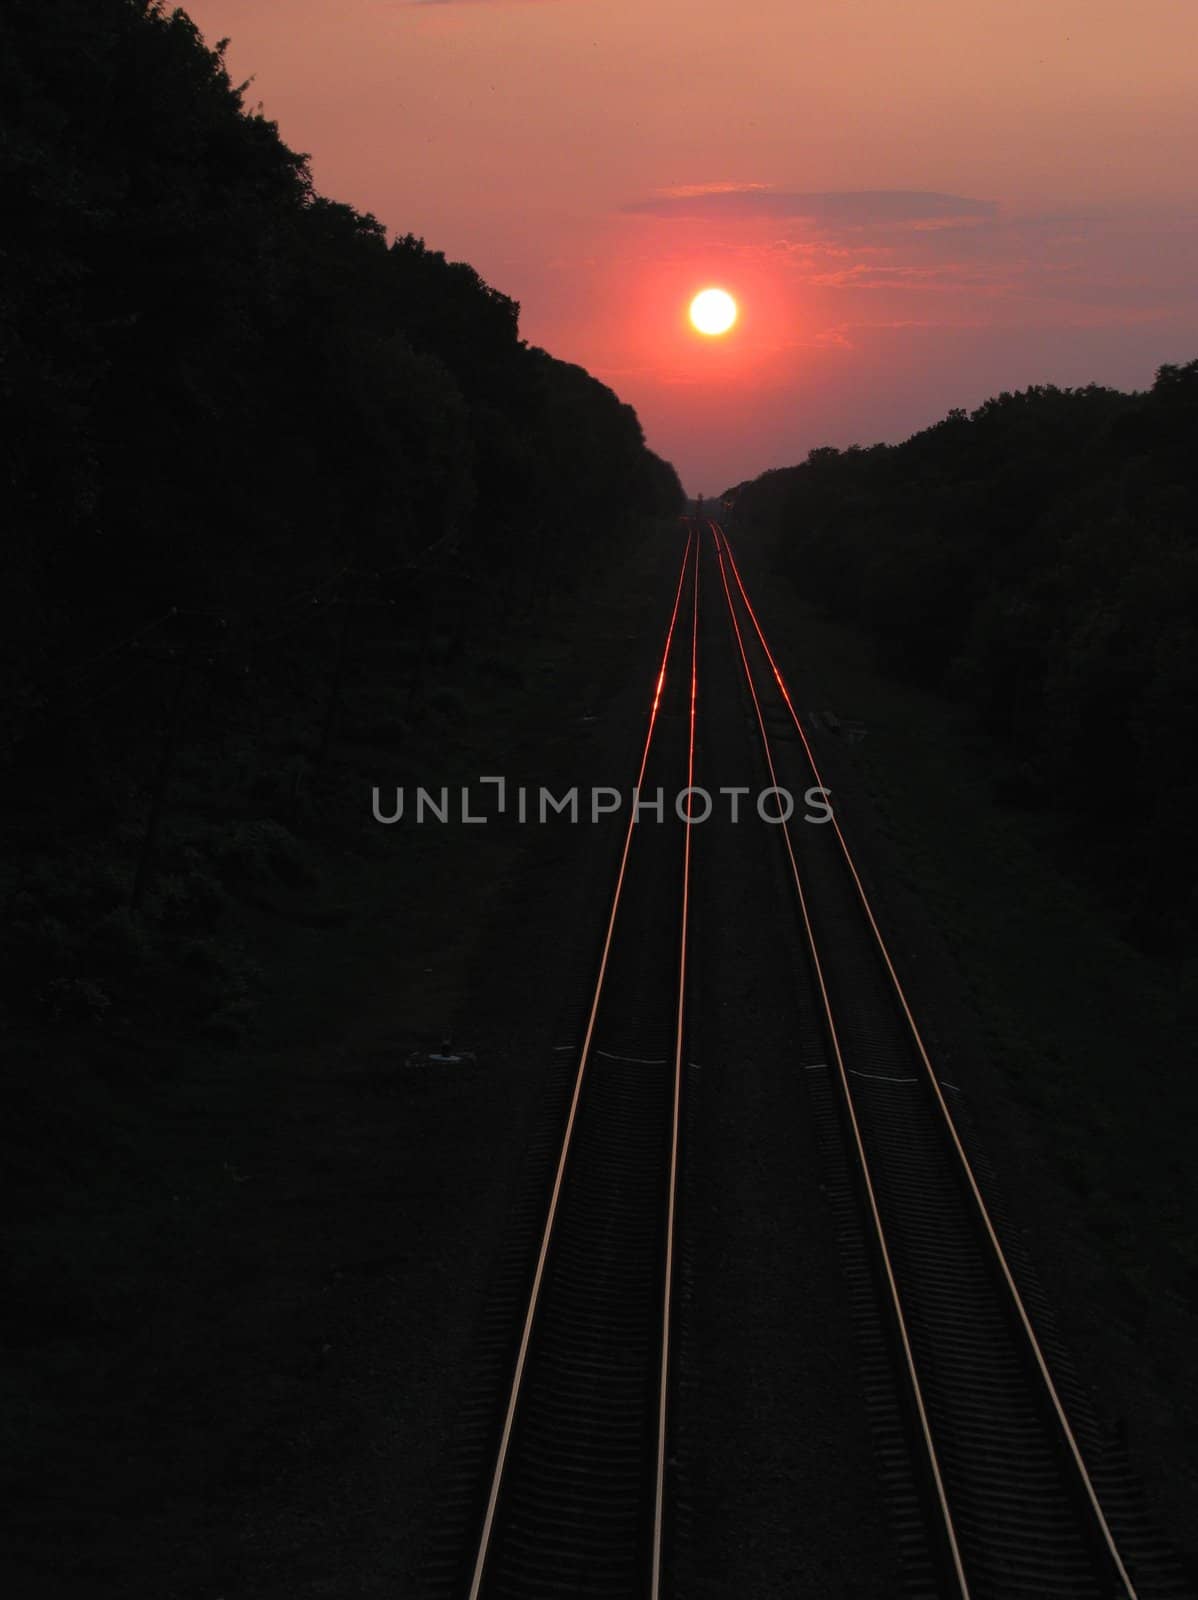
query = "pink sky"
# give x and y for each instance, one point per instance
(915, 204)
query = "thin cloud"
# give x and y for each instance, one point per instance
(851, 208)
(695, 191)
(956, 275)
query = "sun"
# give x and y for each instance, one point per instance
(713, 311)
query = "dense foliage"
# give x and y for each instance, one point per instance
(232, 412)
(1038, 560)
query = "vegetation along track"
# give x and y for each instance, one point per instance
(1019, 1498)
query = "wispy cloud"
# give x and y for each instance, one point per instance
(838, 208)
(956, 275)
(695, 191)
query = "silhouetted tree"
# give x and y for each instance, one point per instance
(1038, 559)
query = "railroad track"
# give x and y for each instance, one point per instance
(1017, 1496)
(575, 1472)
(999, 1481)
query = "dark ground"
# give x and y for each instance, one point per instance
(246, 1280)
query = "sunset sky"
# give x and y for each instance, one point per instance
(916, 205)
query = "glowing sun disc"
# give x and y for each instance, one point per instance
(713, 311)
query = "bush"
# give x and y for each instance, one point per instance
(252, 854)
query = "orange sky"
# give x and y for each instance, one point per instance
(916, 204)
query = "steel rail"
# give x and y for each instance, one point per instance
(1069, 1437)
(501, 1459)
(672, 1195)
(929, 1442)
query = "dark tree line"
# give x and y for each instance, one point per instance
(233, 415)
(1038, 560)
(215, 379)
